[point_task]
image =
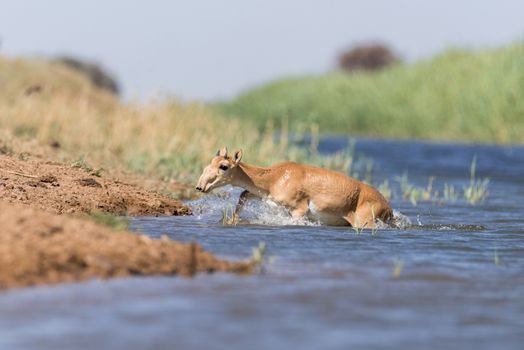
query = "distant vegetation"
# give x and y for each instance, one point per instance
(368, 57)
(458, 95)
(98, 76)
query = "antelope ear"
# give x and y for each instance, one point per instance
(238, 156)
(222, 152)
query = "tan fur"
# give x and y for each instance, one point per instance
(305, 190)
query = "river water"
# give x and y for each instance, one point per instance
(453, 279)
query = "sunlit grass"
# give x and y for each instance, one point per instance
(164, 138)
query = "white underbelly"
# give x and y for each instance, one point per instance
(325, 218)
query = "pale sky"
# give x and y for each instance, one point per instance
(213, 49)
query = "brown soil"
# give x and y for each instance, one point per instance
(38, 247)
(59, 188)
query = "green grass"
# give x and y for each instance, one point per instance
(457, 95)
(109, 220)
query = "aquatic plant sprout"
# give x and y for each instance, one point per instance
(229, 217)
(477, 190)
(449, 193)
(415, 194)
(398, 266)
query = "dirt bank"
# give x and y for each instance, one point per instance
(38, 247)
(59, 188)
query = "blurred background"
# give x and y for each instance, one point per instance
(421, 99)
(208, 50)
(144, 86)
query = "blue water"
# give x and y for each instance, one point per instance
(454, 279)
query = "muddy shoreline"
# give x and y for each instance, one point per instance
(65, 189)
(47, 238)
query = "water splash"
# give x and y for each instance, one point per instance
(255, 212)
(399, 221)
(265, 212)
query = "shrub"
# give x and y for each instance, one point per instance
(366, 57)
(96, 74)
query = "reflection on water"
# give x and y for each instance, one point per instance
(453, 279)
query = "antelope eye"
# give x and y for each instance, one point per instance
(223, 167)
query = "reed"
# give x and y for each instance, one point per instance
(474, 193)
(477, 190)
(413, 193)
(449, 193)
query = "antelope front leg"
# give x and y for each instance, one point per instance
(241, 201)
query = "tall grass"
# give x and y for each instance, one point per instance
(164, 138)
(458, 95)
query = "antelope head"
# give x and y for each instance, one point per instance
(220, 171)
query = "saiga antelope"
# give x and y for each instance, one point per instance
(325, 195)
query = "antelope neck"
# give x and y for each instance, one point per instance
(252, 178)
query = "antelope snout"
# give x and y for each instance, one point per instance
(198, 188)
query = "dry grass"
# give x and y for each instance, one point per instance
(53, 105)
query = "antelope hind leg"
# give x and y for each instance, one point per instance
(362, 218)
(300, 211)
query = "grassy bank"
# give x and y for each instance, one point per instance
(50, 104)
(458, 95)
